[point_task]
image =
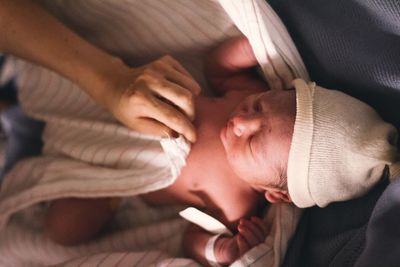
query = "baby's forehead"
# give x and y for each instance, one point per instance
(279, 115)
(281, 94)
(279, 101)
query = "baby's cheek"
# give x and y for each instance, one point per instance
(240, 169)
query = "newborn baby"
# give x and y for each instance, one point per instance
(208, 180)
(244, 152)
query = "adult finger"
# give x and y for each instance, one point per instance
(178, 74)
(186, 82)
(175, 94)
(171, 117)
(175, 64)
(151, 126)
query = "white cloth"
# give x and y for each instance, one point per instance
(88, 154)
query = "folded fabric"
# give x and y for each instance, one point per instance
(87, 153)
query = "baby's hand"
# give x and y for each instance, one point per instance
(250, 233)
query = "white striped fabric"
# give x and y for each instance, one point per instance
(271, 43)
(88, 154)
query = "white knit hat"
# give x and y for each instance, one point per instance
(339, 149)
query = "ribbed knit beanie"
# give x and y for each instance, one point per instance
(340, 147)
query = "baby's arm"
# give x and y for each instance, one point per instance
(231, 66)
(249, 234)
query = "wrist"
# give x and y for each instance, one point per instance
(220, 250)
(104, 79)
(209, 251)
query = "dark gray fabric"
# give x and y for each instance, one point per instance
(383, 232)
(333, 236)
(23, 134)
(23, 137)
(7, 88)
(353, 46)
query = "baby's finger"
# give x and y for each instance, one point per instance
(260, 224)
(252, 238)
(254, 229)
(242, 244)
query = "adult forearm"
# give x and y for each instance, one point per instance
(156, 98)
(30, 32)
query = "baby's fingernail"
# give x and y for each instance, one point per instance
(197, 91)
(255, 218)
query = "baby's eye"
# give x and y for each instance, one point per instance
(257, 106)
(244, 109)
(251, 143)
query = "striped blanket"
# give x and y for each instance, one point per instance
(87, 153)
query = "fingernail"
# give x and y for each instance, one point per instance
(193, 137)
(198, 91)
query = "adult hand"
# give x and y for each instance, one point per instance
(157, 98)
(250, 233)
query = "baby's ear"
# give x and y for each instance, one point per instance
(277, 196)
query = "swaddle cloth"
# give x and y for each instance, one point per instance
(176, 151)
(87, 153)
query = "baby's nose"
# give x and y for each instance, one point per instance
(245, 124)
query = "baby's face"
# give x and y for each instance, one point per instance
(257, 137)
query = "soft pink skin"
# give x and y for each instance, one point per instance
(257, 140)
(220, 177)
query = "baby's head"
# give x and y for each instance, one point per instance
(257, 140)
(312, 146)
